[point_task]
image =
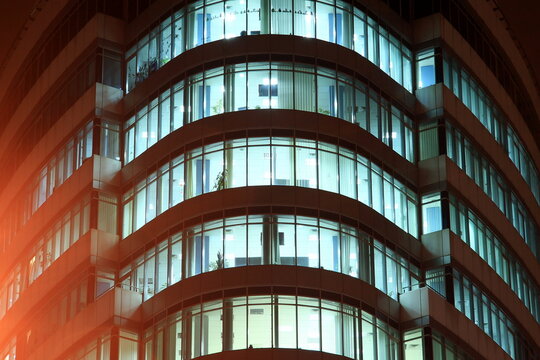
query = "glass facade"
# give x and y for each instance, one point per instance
(476, 99)
(272, 321)
(425, 68)
(264, 85)
(97, 349)
(55, 240)
(475, 164)
(73, 298)
(261, 161)
(202, 22)
(469, 299)
(100, 347)
(325, 238)
(481, 41)
(427, 344)
(475, 233)
(58, 169)
(78, 82)
(49, 47)
(270, 239)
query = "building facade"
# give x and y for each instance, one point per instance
(274, 179)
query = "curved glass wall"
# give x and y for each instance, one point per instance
(426, 344)
(333, 21)
(272, 321)
(100, 348)
(55, 240)
(479, 237)
(480, 309)
(70, 301)
(478, 167)
(59, 237)
(265, 85)
(484, 174)
(58, 169)
(270, 239)
(466, 88)
(262, 161)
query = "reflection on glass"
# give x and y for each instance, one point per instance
(425, 69)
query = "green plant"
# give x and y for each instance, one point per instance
(221, 180)
(324, 111)
(219, 263)
(218, 107)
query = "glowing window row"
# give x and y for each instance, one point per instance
(264, 85)
(478, 307)
(62, 164)
(262, 161)
(68, 302)
(476, 99)
(102, 347)
(54, 242)
(47, 249)
(336, 22)
(428, 344)
(483, 107)
(472, 230)
(272, 321)
(270, 239)
(461, 150)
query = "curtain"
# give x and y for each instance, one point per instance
(283, 165)
(304, 18)
(347, 178)
(189, 186)
(285, 91)
(229, 89)
(328, 170)
(264, 17)
(347, 251)
(281, 22)
(345, 101)
(304, 94)
(345, 28)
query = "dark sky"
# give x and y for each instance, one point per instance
(522, 15)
